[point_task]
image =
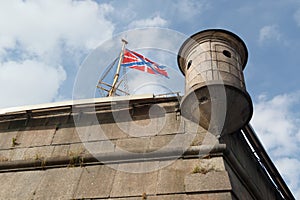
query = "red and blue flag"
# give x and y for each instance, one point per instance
(137, 61)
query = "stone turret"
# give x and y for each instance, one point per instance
(215, 94)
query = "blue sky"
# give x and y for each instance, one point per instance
(43, 43)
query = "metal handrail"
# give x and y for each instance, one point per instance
(265, 160)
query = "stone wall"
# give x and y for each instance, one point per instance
(103, 154)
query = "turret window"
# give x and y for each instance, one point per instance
(227, 54)
(189, 64)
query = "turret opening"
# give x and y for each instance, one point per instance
(227, 54)
(189, 64)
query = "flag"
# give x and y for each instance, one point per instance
(137, 61)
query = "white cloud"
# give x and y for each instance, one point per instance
(40, 39)
(289, 168)
(269, 32)
(38, 26)
(155, 21)
(29, 82)
(276, 122)
(188, 9)
(297, 17)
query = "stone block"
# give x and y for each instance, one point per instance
(100, 147)
(128, 184)
(186, 165)
(211, 181)
(176, 141)
(141, 127)
(127, 198)
(211, 196)
(191, 127)
(61, 150)
(58, 183)
(5, 189)
(36, 153)
(65, 135)
(90, 133)
(6, 139)
(137, 167)
(212, 164)
(77, 149)
(6, 155)
(170, 181)
(38, 136)
(18, 154)
(158, 142)
(136, 145)
(170, 124)
(113, 131)
(95, 182)
(20, 185)
(198, 140)
(168, 197)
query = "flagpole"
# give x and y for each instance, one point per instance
(113, 88)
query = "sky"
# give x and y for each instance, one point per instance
(44, 43)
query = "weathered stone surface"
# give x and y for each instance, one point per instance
(176, 141)
(60, 150)
(6, 155)
(38, 136)
(160, 180)
(20, 185)
(35, 153)
(133, 184)
(137, 167)
(99, 147)
(6, 139)
(160, 141)
(108, 131)
(136, 145)
(91, 133)
(58, 184)
(211, 196)
(77, 149)
(144, 127)
(211, 181)
(65, 135)
(6, 189)
(170, 124)
(95, 182)
(191, 127)
(171, 177)
(18, 154)
(127, 198)
(215, 164)
(180, 164)
(208, 196)
(198, 140)
(168, 197)
(170, 181)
